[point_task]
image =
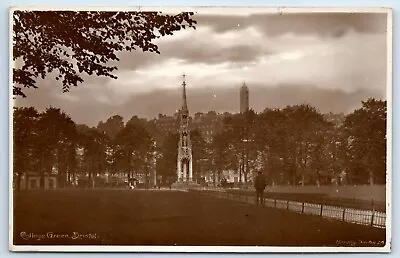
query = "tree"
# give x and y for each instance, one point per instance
(56, 142)
(305, 127)
(167, 162)
(334, 154)
(292, 144)
(240, 150)
(44, 142)
(365, 132)
(249, 144)
(112, 126)
(199, 154)
(24, 133)
(219, 156)
(83, 41)
(94, 145)
(138, 121)
(271, 137)
(134, 148)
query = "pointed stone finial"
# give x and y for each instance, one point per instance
(184, 103)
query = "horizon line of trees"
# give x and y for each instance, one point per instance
(294, 145)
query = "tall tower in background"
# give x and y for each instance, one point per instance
(244, 98)
(184, 162)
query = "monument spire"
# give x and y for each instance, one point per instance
(184, 162)
(184, 103)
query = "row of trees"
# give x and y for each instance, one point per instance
(294, 145)
(297, 145)
(50, 141)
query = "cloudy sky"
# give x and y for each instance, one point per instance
(331, 61)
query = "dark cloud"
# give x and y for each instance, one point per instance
(138, 59)
(322, 24)
(190, 52)
(212, 52)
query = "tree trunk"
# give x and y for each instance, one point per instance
(371, 177)
(240, 173)
(42, 170)
(242, 162)
(214, 179)
(18, 183)
(89, 180)
(293, 168)
(303, 171)
(146, 176)
(59, 179)
(247, 168)
(73, 179)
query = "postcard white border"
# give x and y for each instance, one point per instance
(220, 10)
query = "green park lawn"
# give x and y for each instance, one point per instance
(137, 217)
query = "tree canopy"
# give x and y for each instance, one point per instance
(71, 43)
(365, 146)
(296, 145)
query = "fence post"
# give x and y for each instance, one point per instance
(320, 213)
(372, 218)
(373, 213)
(287, 205)
(344, 213)
(275, 203)
(302, 208)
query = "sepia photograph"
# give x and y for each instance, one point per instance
(201, 129)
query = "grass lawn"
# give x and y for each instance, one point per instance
(134, 217)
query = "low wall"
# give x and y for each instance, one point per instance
(360, 192)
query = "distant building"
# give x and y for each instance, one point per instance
(208, 124)
(31, 181)
(167, 124)
(244, 98)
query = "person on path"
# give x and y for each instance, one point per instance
(259, 185)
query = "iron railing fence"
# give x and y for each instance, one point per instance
(329, 210)
(322, 199)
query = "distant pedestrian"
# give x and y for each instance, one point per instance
(259, 185)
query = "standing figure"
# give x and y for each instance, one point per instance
(259, 185)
